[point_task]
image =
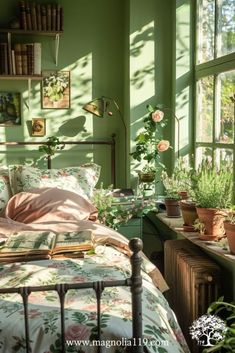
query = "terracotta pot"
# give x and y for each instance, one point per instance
(189, 212)
(213, 220)
(230, 233)
(147, 177)
(172, 208)
(183, 195)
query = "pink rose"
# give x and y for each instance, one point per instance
(157, 116)
(77, 332)
(163, 145)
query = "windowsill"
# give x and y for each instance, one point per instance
(176, 224)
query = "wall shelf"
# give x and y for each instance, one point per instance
(30, 32)
(20, 77)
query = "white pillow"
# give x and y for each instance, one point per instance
(80, 180)
(5, 188)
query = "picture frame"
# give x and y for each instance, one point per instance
(55, 89)
(38, 127)
(10, 108)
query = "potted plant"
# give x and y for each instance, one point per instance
(212, 193)
(229, 227)
(149, 145)
(113, 213)
(183, 173)
(52, 145)
(172, 197)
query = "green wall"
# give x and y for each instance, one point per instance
(116, 48)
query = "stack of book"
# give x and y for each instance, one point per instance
(41, 17)
(26, 59)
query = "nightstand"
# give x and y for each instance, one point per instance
(133, 228)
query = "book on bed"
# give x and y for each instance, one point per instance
(28, 246)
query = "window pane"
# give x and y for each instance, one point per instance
(206, 30)
(203, 153)
(204, 115)
(224, 157)
(226, 89)
(226, 27)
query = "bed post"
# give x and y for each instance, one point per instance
(136, 246)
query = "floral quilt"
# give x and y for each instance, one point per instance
(161, 330)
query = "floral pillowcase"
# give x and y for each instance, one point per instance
(80, 180)
(5, 188)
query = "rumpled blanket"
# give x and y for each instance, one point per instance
(56, 210)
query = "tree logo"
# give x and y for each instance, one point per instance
(207, 330)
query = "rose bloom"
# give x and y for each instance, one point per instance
(77, 332)
(157, 116)
(163, 145)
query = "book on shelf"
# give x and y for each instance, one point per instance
(53, 17)
(24, 58)
(44, 17)
(13, 61)
(27, 246)
(58, 9)
(30, 58)
(4, 59)
(37, 58)
(38, 15)
(28, 16)
(34, 16)
(23, 21)
(48, 11)
(18, 58)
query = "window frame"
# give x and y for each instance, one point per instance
(213, 67)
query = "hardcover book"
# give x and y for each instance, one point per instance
(28, 246)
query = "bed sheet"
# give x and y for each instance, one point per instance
(160, 328)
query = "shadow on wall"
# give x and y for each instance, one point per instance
(73, 127)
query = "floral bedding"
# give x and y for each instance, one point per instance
(161, 331)
(55, 210)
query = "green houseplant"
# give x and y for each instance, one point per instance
(212, 192)
(177, 187)
(226, 311)
(149, 144)
(114, 214)
(52, 145)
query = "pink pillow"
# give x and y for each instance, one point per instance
(49, 204)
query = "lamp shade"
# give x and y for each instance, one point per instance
(96, 107)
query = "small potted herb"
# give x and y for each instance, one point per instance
(212, 193)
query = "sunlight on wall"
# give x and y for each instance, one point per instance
(182, 39)
(142, 65)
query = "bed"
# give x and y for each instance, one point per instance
(92, 304)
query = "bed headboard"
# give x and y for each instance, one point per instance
(109, 142)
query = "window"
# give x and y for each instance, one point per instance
(215, 81)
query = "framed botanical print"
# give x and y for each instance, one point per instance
(55, 89)
(38, 127)
(10, 108)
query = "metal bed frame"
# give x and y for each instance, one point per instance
(134, 282)
(110, 142)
